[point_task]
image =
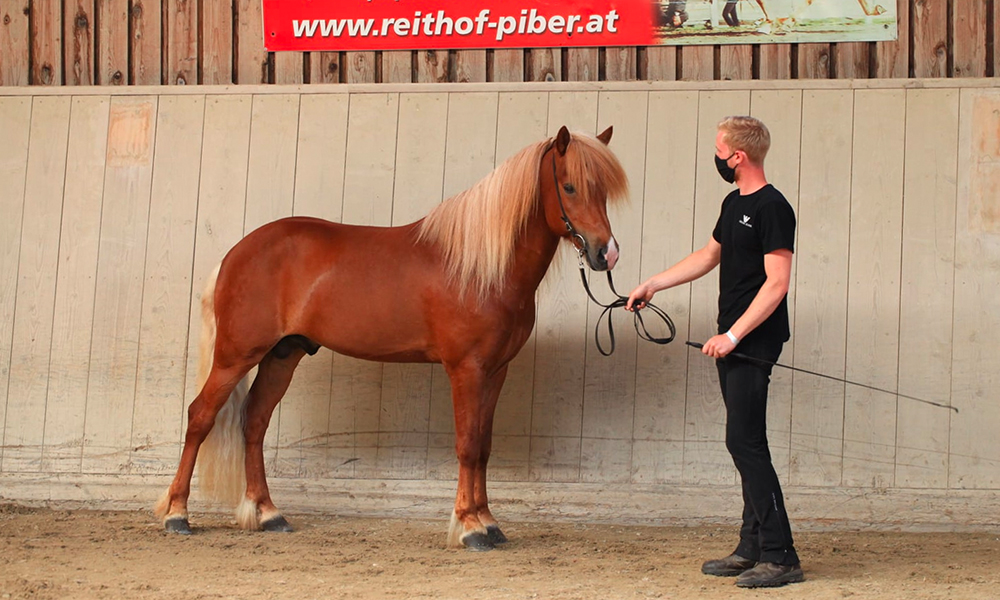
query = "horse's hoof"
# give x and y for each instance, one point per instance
(278, 524)
(477, 542)
(495, 535)
(177, 525)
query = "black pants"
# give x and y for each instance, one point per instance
(766, 535)
(729, 13)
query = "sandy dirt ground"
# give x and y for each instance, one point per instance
(57, 554)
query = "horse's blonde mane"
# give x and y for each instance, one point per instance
(477, 229)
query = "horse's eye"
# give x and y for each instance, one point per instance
(569, 188)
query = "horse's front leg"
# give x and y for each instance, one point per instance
(490, 397)
(467, 392)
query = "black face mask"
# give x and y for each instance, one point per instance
(725, 171)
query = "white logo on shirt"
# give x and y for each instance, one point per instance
(746, 222)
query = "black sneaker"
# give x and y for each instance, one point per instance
(732, 565)
(767, 574)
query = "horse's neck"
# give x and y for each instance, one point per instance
(535, 249)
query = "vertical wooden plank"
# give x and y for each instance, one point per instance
(706, 459)
(221, 207)
(359, 67)
(15, 120)
(736, 62)
(975, 446)
(697, 63)
(182, 42)
(582, 64)
(118, 298)
(397, 67)
(406, 388)
(470, 66)
(289, 67)
(46, 42)
(522, 119)
(851, 60)
(15, 43)
(667, 200)
(873, 288)
(658, 63)
(543, 64)
(432, 66)
(113, 42)
(470, 155)
(609, 382)
(561, 336)
(368, 187)
(251, 58)
(892, 58)
(776, 61)
(969, 38)
(73, 314)
(324, 67)
(821, 272)
(217, 43)
(148, 43)
(319, 192)
(166, 293)
(814, 61)
(78, 48)
(508, 65)
(927, 286)
(37, 269)
(270, 186)
(781, 111)
(930, 38)
(621, 63)
(995, 25)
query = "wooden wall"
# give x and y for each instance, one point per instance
(117, 206)
(178, 42)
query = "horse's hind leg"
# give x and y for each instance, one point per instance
(256, 511)
(172, 508)
(490, 397)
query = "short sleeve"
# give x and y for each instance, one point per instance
(776, 226)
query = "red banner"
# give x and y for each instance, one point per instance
(314, 25)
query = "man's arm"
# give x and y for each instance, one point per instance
(778, 268)
(695, 265)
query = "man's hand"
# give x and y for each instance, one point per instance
(639, 297)
(718, 346)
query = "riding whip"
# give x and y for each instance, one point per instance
(841, 380)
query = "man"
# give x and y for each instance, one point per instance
(676, 13)
(752, 243)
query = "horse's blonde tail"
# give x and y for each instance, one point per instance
(221, 470)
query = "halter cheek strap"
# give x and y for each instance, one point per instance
(582, 247)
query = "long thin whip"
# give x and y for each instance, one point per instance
(839, 379)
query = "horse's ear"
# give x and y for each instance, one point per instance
(562, 140)
(605, 136)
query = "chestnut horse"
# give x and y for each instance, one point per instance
(456, 287)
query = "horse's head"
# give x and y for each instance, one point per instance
(579, 175)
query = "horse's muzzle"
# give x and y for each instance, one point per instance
(605, 257)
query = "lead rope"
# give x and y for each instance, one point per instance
(621, 302)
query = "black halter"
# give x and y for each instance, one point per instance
(622, 301)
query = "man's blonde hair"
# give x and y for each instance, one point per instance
(747, 134)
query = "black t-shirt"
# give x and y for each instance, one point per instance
(749, 227)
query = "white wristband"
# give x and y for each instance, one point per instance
(732, 338)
